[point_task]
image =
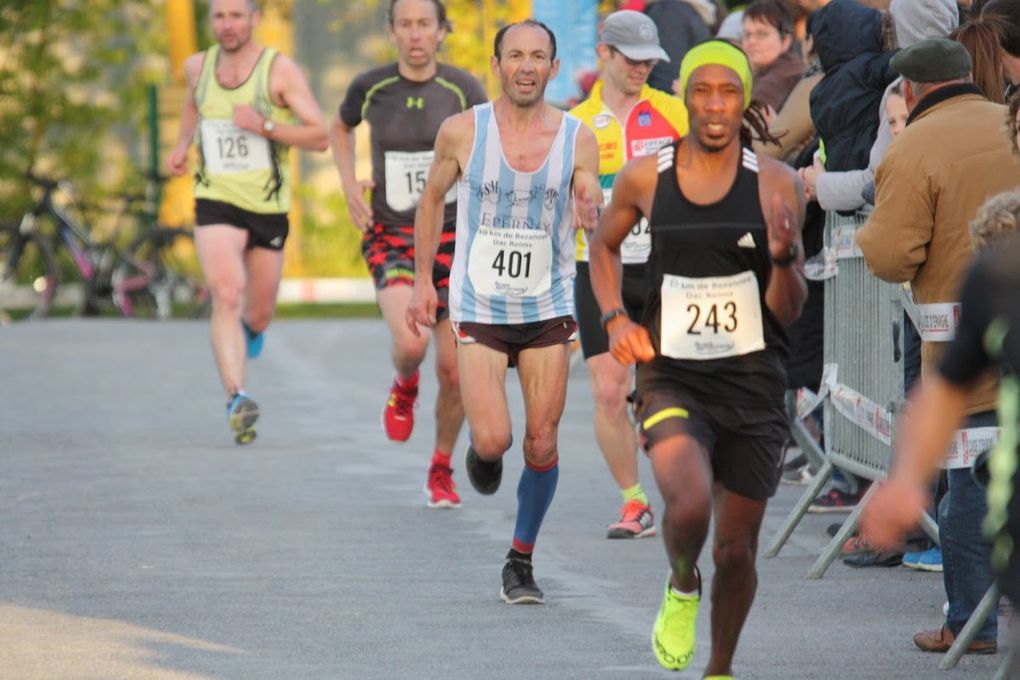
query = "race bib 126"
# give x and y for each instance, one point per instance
(712, 317)
(227, 148)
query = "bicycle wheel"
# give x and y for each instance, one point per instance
(160, 278)
(28, 275)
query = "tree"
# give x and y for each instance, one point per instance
(73, 79)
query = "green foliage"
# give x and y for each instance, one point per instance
(73, 79)
(330, 245)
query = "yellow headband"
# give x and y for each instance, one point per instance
(720, 53)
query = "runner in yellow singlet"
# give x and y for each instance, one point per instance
(630, 120)
(248, 104)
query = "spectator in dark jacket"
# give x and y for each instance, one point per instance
(680, 28)
(849, 40)
(767, 40)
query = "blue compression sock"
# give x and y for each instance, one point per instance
(534, 494)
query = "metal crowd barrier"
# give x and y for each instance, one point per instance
(862, 385)
(862, 391)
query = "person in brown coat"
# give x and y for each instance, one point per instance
(950, 158)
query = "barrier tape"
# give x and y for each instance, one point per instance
(863, 412)
(852, 405)
(969, 444)
(935, 322)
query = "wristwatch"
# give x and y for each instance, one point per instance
(610, 315)
(788, 259)
(268, 126)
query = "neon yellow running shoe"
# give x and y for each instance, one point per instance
(674, 632)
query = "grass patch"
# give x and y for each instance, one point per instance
(334, 310)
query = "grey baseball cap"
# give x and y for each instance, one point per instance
(634, 35)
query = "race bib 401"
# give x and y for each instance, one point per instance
(511, 262)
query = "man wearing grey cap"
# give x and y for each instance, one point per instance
(951, 157)
(629, 119)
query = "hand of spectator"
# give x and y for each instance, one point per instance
(769, 115)
(894, 509)
(809, 176)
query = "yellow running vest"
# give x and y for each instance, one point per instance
(239, 167)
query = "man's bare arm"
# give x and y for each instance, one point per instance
(587, 189)
(341, 139)
(177, 161)
(290, 87)
(632, 192)
(783, 204)
(454, 133)
(933, 412)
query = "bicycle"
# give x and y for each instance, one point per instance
(153, 278)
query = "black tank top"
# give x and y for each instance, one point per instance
(725, 239)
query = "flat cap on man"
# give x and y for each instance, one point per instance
(933, 60)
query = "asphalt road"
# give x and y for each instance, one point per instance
(138, 542)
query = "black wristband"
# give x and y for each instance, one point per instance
(610, 315)
(789, 259)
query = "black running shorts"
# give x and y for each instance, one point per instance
(512, 340)
(265, 230)
(594, 340)
(745, 445)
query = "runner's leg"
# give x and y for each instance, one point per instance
(407, 350)
(449, 410)
(543, 376)
(614, 431)
(735, 547)
(483, 395)
(684, 476)
(221, 254)
(264, 267)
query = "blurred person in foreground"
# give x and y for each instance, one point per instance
(987, 342)
(950, 158)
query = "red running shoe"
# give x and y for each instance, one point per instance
(441, 490)
(398, 416)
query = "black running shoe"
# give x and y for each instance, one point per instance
(484, 475)
(519, 585)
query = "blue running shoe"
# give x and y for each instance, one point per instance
(242, 413)
(253, 341)
(927, 560)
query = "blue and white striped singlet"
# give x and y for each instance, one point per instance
(514, 259)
